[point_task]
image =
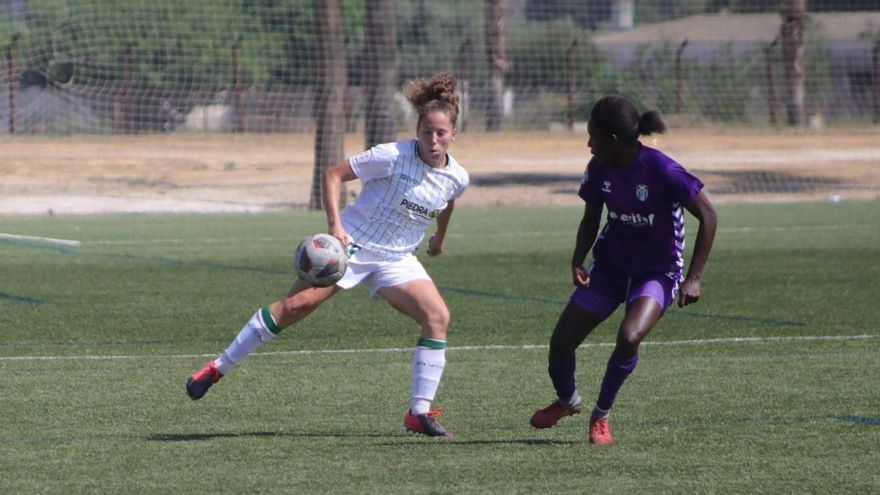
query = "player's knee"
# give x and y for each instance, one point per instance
(558, 355)
(437, 321)
(441, 317)
(560, 350)
(628, 344)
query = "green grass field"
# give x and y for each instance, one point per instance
(768, 385)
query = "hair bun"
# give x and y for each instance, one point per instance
(651, 122)
(435, 94)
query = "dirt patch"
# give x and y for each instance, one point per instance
(218, 173)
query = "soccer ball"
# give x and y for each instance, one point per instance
(320, 260)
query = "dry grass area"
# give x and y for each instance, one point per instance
(209, 173)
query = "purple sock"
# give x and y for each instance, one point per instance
(562, 376)
(615, 375)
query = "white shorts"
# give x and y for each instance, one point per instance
(377, 272)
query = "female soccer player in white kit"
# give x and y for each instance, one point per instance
(406, 185)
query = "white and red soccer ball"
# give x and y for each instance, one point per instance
(320, 260)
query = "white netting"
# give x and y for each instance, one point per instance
(124, 66)
(169, 66)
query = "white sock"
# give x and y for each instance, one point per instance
(254, 334)
(574, 400)
(427, 368)
(600, 413)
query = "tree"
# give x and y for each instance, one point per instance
(329, 94)
(380, 72)
(497, 59)
(794, 42)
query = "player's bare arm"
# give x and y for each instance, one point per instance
(586, 236)
(332, 185)
(701, 208)
(437, 241)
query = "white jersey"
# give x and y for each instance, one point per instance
(400, 197)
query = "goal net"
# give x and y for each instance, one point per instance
(111, 67)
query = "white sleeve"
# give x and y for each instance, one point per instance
(462, 180)
(463, 184)
(375, 162)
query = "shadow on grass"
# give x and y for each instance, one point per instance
(516, 441)
(191, 437)
(195, 437)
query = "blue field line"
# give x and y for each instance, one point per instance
(750, 319)
(194, 264)
(503, 297)
(470, 292)
(38, 245)
(694, 314)
(93, 343)
(157, 259)
(860, 420)
(753, 420)
(21, 299)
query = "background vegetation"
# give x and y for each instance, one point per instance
(164, 58)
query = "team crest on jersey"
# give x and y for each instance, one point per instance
(364, 157)
(642, 192)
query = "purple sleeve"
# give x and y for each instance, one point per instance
(591, 191)
(684, 185)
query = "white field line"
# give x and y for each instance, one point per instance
(526, 347)
(517, 234)
(50, 240)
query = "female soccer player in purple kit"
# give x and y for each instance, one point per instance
(637, 257)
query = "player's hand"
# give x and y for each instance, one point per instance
(579, 276)
(689, 292)
(338, 231)
(435, 246)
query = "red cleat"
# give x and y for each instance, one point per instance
(426, 424)
(550, 415)
(199, 383)
(600, 432)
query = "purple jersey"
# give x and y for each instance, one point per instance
(644, 229)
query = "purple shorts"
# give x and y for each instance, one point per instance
(609, 289)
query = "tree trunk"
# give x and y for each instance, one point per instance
(496, 57)
(679, 77)
(571, 102)
(380, 72)
(329, 95)
(876, 64)
(238, 86)
(794, 43)
(12, 76)
(463, 84)
(771, 81)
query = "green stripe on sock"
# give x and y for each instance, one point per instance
(431, 343)
(268, 320)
